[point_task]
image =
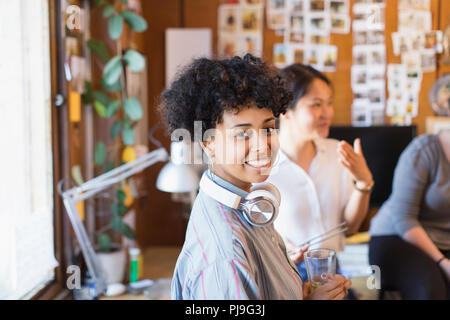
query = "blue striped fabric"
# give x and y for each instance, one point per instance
(224, 257)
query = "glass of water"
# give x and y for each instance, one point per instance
(320, 266)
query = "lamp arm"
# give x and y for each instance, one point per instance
(92, 187)
(102, 182)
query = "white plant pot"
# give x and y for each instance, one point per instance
(113, 265)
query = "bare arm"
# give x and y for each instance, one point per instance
(418, 237)
(358, 205)
(356, 210)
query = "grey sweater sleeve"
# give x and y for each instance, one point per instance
(410, 180)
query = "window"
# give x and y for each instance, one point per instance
(27, 259)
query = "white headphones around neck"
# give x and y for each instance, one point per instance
(260, 206)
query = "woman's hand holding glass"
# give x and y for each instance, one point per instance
(336, 288)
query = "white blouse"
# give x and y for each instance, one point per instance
(313, 202)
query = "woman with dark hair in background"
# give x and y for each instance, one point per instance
(323, 182)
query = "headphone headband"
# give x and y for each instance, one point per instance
(219, 193)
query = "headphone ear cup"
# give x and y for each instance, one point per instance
(270, 188)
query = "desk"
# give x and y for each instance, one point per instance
(159, 262)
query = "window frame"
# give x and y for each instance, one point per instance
(61, 170)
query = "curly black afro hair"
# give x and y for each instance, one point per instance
(206, 88)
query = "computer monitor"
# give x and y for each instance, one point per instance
(382, 146)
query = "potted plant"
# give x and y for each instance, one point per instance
(110, 100)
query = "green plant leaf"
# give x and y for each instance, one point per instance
(100, 153)
(116, 222)
(100, 103)
(127, 232)
(100, 49)
(100, 3)
(112, 108)
(134, 60)
(122, 209)
(136, 22)
(100, 109)
(109, 166)
(116, 87)
(87, 96)
(128, 134)
(120, 195)
(115, 129)
(104, 242)
(108, 11)
(112, 71)
(101, 97)
(115, 26)
(125, 2)
(133, 109)
(115, 209)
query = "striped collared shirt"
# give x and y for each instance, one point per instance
(225, 257)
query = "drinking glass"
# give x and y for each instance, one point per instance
(320, 266)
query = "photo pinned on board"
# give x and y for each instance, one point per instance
(297, 23)
(375, 37)
(377, 116)
(251, 43)
(412, 61)
(360, 95)
(251, 19)
(319, 24)
(413, 5)
(396, 107)
(318, 6)
(377, 55)
(276, 20)
(296, 54)
(339, 7)
(400, 43)
(227, 46)
(340, 23)
(433, 41)
(297, 6)
(417, 41)
(428, 60)
(276, 4)
(360, 55)
(360, 37)
(229, 20)
(251, 2)
(412, 20)
(280, 55)
(319, 39)
(313, 57)
(360, 117)
(376, 95)
(368, 16)
(330, 58)
(359, 78)
(297, 37)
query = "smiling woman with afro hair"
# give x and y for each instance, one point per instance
(227, 254)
